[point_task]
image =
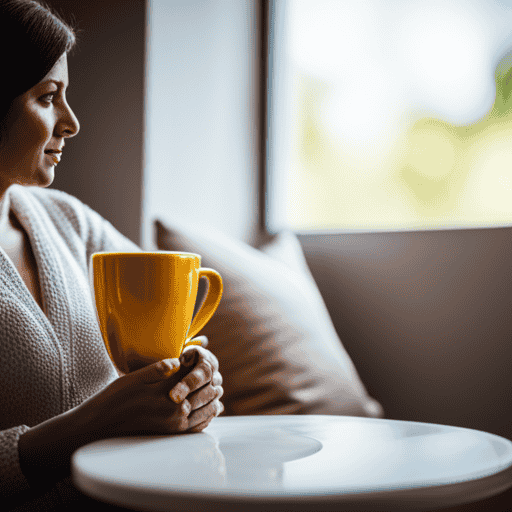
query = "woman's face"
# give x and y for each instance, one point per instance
(39, 121)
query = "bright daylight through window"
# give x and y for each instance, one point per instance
(390, 114)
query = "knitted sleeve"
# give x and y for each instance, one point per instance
(12, 480)
(15, 492)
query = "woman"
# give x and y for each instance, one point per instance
(58, 388)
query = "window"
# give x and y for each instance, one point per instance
(389, 114)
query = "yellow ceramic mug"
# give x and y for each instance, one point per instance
(145, 303)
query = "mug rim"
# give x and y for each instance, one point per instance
(142, 253)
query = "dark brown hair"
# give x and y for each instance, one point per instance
(33, 37)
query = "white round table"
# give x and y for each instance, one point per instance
(297, 463)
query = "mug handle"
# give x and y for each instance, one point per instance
(209, 305)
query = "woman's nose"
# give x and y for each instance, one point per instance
(69, 125)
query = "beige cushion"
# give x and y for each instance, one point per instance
(277, 347)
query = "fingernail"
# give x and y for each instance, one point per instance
(169, 366)
(174, 396)
(204, 341)
(186, 407)
(178, 393)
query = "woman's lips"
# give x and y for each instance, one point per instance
(54, 156)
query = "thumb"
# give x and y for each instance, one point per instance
(156, 372)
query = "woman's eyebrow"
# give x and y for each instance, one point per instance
(56, 82)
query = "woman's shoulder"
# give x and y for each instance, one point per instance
(51, 196)
(68, 214)
(61, 207)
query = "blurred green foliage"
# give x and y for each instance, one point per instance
(427, 171)
(436, 167)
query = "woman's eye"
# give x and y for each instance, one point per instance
(47, 98)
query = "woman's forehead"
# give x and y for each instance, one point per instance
(59, 72)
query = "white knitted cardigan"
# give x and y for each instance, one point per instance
(50, 362)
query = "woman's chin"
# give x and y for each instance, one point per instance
(48, 181)
(44, 177)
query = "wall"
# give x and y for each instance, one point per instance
(102, 165)
(200, 139)
(166, 95)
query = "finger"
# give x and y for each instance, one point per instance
(178, 425)
(189, 356)
(201, 354)
(213, 361)
(203, 340)
(211, 358)
(186, 407)
(155, 372)
(205, 413)
(197, 378)
(200, 427)
(204, 396)
(217, 379)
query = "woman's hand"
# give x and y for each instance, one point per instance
(134, 404)
(200, 389)
(169, 397)
(138, 403)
